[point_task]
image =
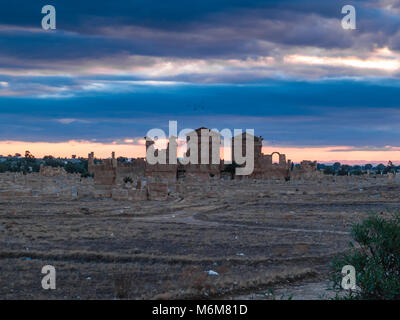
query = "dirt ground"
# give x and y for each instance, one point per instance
(263, 239)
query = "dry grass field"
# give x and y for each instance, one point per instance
(257, 236)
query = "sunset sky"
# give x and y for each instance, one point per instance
(112, 70)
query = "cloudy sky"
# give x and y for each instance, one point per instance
(112, 70)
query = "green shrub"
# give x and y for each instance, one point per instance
(376, 258)
(128, 180)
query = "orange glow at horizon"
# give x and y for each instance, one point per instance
(69, 148)
(103, 150)
(327, 154)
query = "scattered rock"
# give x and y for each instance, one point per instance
(212, 273)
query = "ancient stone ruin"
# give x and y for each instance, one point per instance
(306, 170)
(137, 179)
(47, 171)
(140, 180)
(48, 183)
(264, 167)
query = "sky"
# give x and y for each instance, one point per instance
(112, 70)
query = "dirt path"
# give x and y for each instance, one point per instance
(302, 290)
(192, 219)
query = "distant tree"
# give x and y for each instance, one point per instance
(336, 166)
(390, 168)
(380, 168)
(357, 172)
(344, 170)
(329, 170)
(368, 166)
(52, 162)
(29, 155)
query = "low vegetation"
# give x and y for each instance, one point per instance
(30, 164)
(376, 258)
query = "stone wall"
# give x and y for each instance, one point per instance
(64, 186)
(264, 168)
(165, 171)
(306, 170)
(48, 171)
(109, 175)
(134, 170)
(157, 191)
(105, 173)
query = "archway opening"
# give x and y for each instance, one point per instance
(275, 158)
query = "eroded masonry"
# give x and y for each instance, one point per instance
(139, 180)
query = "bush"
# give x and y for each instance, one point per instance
(376, 259)
(329, 170)
(128, 180)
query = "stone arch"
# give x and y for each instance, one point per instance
(275, 156)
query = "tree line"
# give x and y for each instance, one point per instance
(29, 163)
(343, 169)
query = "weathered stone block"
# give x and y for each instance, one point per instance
(137, 194)
(120, 194)
(157, 191)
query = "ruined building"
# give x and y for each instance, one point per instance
(151, 180)
(110, 172)
(306, 170)
(264, 168)
(47, 171)
(165, 172)
(208, 146)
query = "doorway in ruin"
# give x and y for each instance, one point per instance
(180, 173)
(275, 157)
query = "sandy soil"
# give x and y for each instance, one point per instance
(264, 239)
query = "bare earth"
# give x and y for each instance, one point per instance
(258, 236)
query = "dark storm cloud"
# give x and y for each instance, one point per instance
(305, 113)
(182, 29)
(163, 14)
